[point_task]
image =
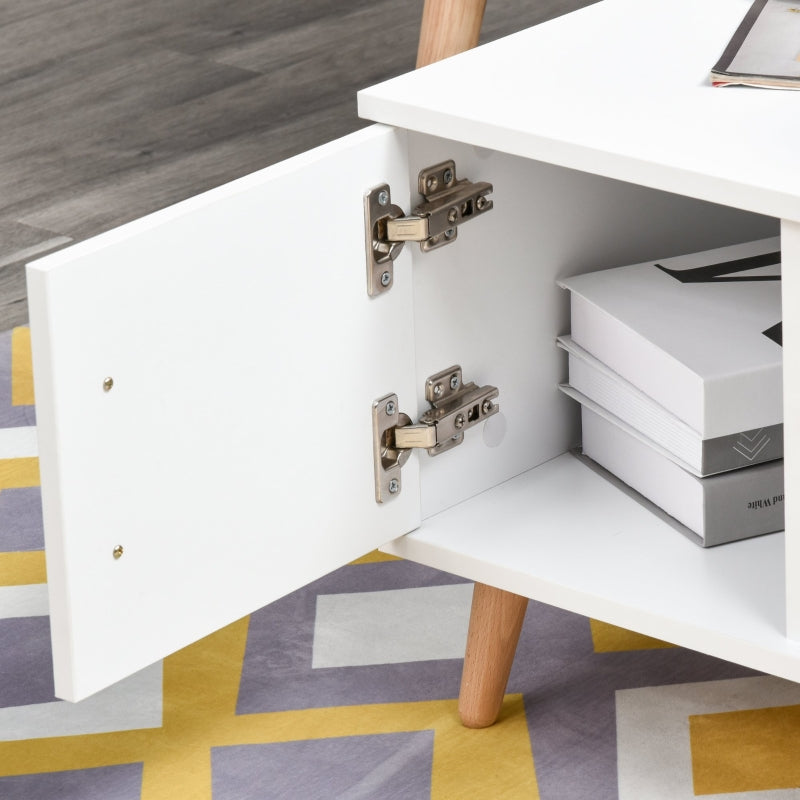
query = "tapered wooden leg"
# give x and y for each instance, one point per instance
(494, 627)
(448, 27)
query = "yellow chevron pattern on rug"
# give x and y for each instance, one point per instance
(201, 685)
(608, 638)
(27, 567)
(21, 367)
(753, 750)
(22, 568)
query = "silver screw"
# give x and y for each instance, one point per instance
(386, 279)
(452, 215)
(487, 406)
(108, 384)
(394, 486)
(391, 408)
(431, 183)
(454, 381)
(448, 176)
(438, 389)
(481, 203)
(459, 422)
(383, 197)
(449, 233)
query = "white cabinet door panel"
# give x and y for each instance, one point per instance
(232, 458)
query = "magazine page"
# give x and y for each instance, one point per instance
(765, 50)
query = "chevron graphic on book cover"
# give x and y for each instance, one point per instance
(750, 444)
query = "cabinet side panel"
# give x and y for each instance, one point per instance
(490, 302)
(790, 284)
(232, 457)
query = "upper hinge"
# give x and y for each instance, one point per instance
(447, 203)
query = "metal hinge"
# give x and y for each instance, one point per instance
(454, 407)
(447, 202)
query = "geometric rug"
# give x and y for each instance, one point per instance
(347, 689)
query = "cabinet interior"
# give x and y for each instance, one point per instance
(491, 303)
(548, 527)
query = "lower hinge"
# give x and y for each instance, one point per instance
(447, 203)
(454, 408)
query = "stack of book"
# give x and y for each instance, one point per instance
(677, 365)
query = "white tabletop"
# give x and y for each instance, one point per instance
(620, 88)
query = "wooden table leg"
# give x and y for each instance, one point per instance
(448, 27)
(494, 627)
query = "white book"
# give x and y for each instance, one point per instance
(595, 381)
(699, 334)
(722, 508)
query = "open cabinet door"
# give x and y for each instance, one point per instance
(204, 384)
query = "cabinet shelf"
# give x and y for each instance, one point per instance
(563, 534)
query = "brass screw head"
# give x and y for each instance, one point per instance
(118, 551)
(108, 384)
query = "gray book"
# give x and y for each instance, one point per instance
(722, 508)
(702, 456)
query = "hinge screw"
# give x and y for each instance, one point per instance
(394, 486)
(449, 233)
(487, 406)
(454, 381)
(459, 421)
(448, 176)
(452, 215)
(390, 408)
(117, 552)
(431, 183)
(481, 203)
(108, 384)
(438, 389)
(386, 279)
(383, 197)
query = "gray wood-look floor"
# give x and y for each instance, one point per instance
(110, 109)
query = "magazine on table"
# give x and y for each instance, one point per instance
(765, 49)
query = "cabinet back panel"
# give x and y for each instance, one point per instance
(490, 302)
